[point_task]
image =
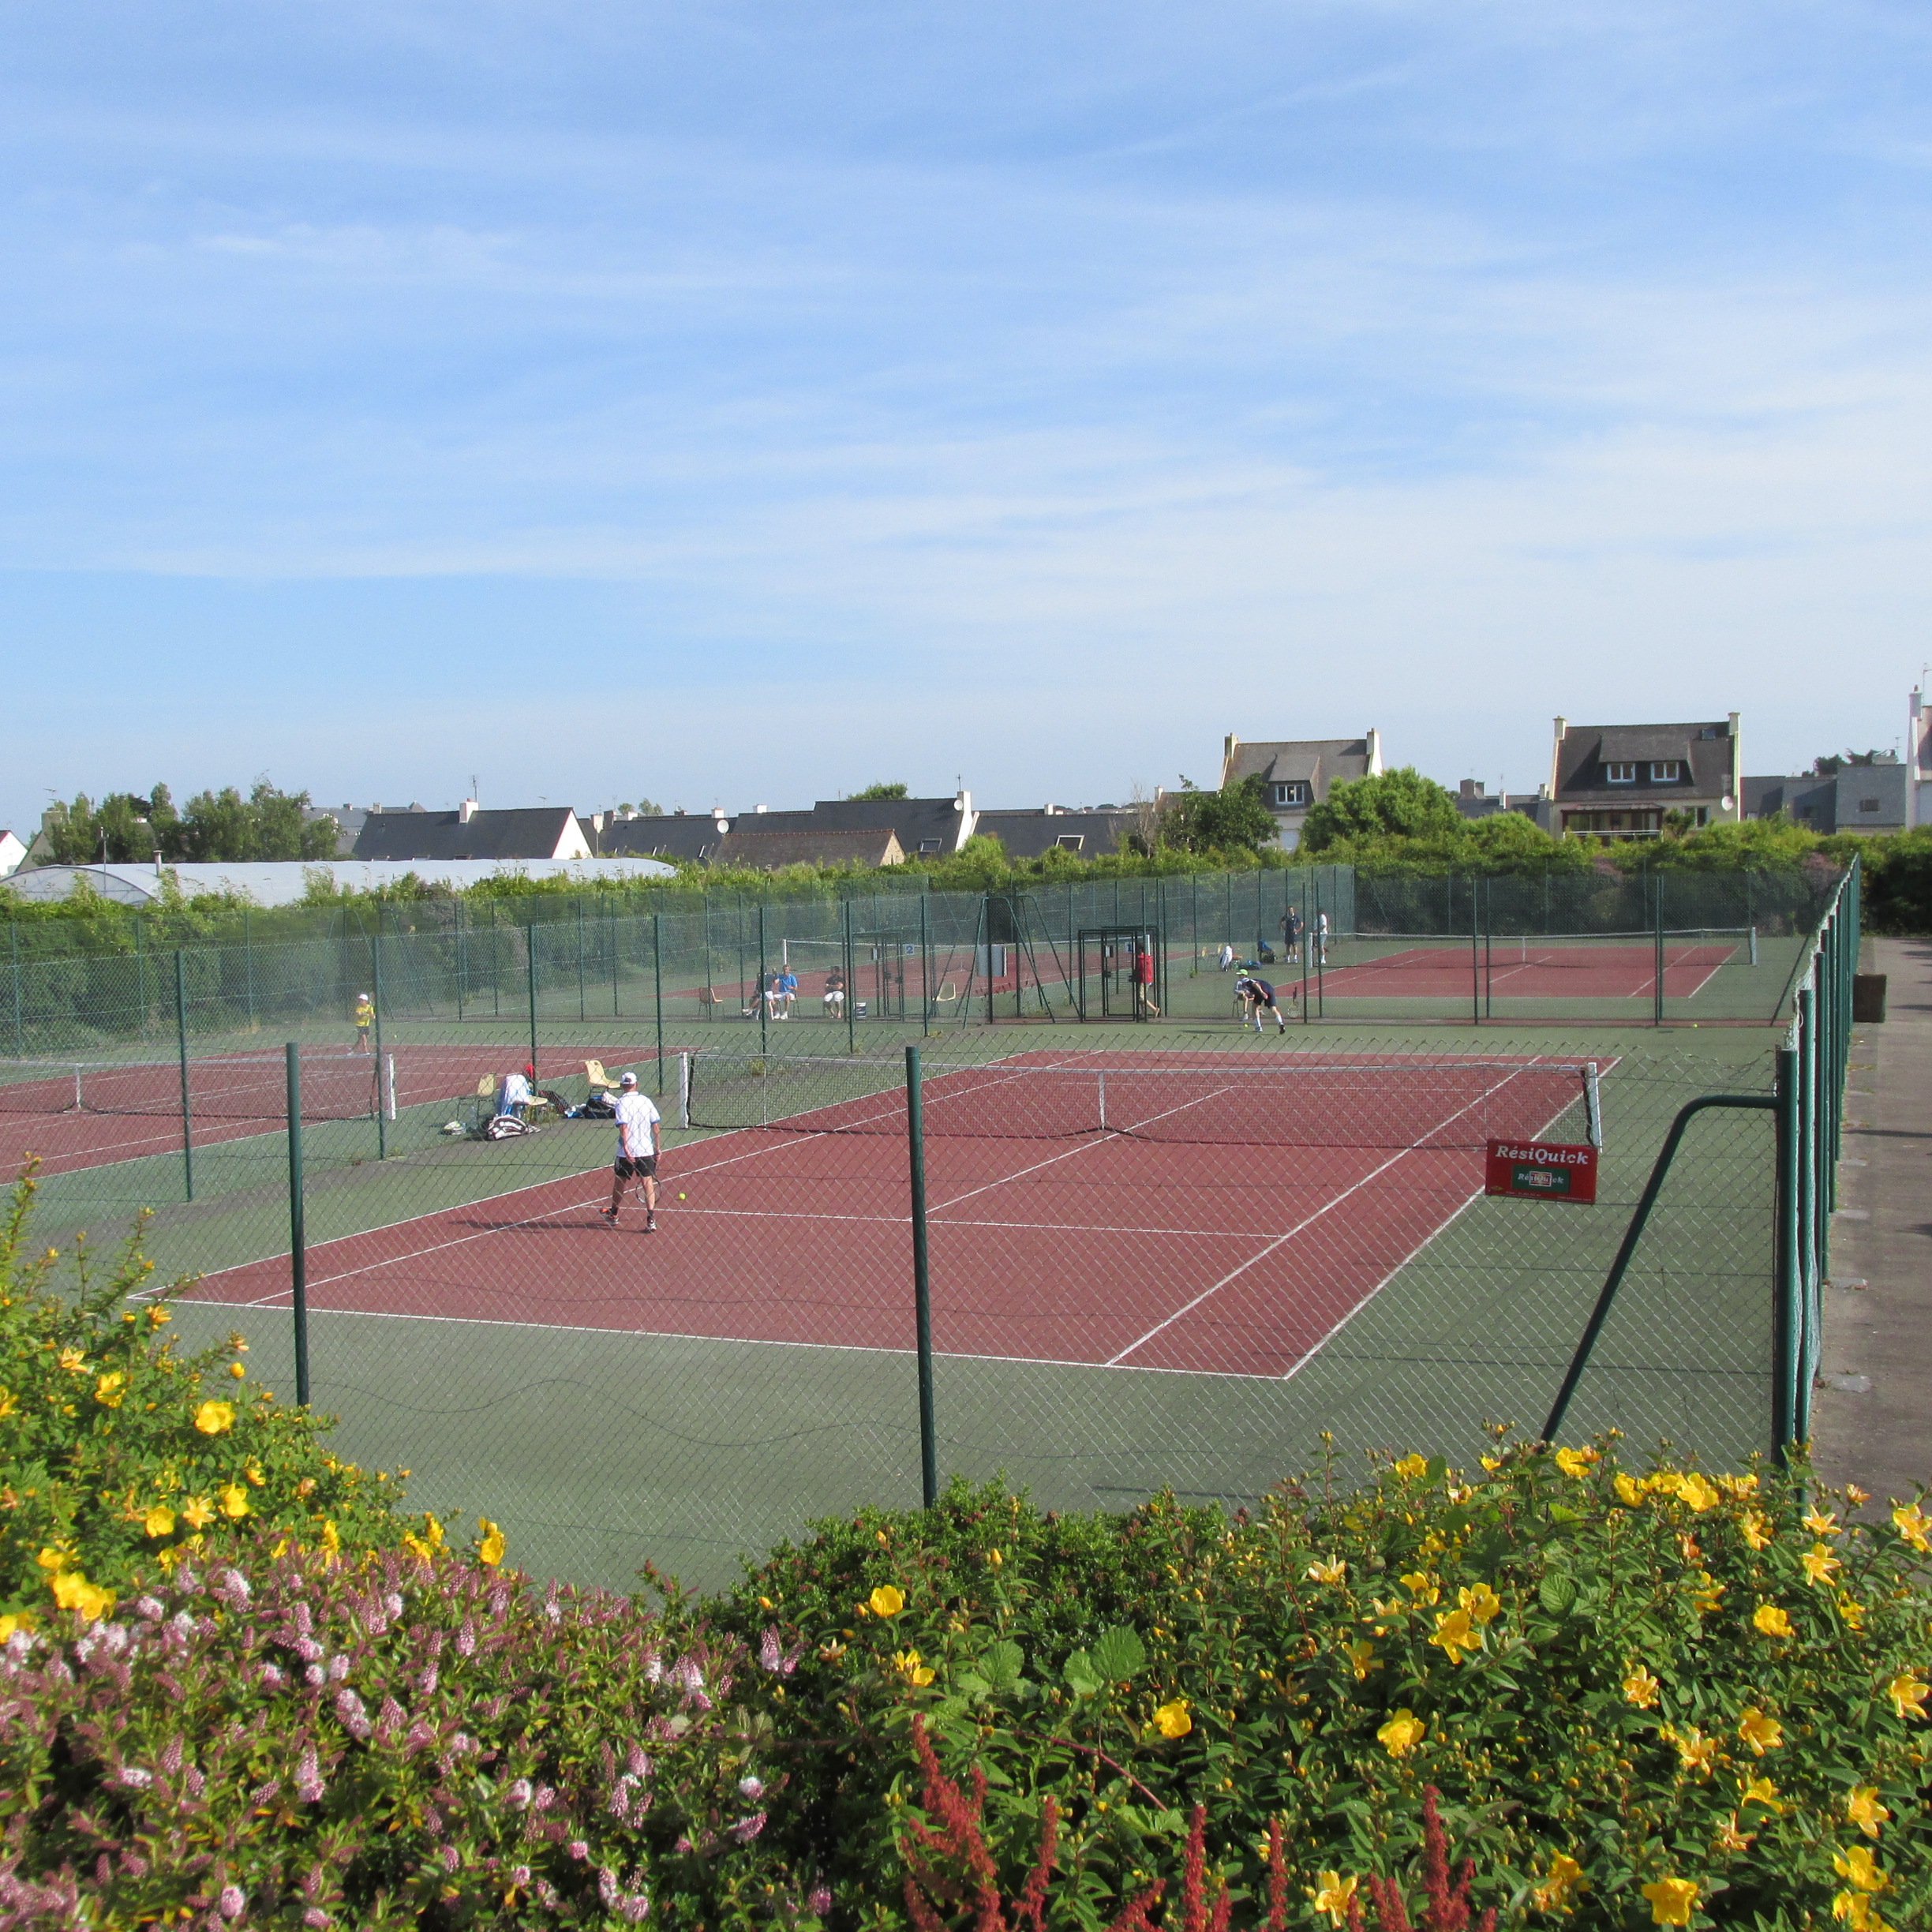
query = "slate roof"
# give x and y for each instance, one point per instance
(1705, 749)
(766, 850)
(1317, 761)
(934, 826)
(1027, 833)
(658, 835)
(537, 832)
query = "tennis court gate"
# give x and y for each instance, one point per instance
(877, 964)
(1119, 991)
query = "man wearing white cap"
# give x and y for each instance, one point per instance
(639, 1142)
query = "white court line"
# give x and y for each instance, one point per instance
(1233, 1275)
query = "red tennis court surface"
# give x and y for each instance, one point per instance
(1622, 972)
(1102, 1248)
(127, 1113)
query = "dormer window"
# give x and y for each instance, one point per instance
(1620, 775)
(1666, 771)
(1292, 791)
(1070, 842)
(927, 846)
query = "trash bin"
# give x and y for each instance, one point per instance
(1868, 995)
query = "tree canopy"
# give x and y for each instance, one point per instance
(1232, 819)
(881, 792)
(1394, 804)
(126, 828)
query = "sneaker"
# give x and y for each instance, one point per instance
(608, 1217)
(650, 1224)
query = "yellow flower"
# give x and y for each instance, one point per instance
(1738, 1485)
(1852, 1611)
(415, 1543)
(72, 1591)
(1855, 1864)
(908, 1665)
(236, 1370)
(73, 1360)
(110, 1390)
(1362, 1658)
(1855, 1496)
(1698, 1494)
(1422, 1587)
(1566, 1879)
(215, 1418)
(1641, 1688)
(994, 1558)
(1333, 1894)
(253, 1472)
(330, 1542)
(1820, 1564)
(1758, 1791)
(1863, 1809)
(1856, 1911)
(159, 1522)
(1491, 1463)
(1908, 1695)
(235, 1502)
(1696, 1753)
(1914, 1525)
(1672, 1900)
(1481, 1602)
(1333, 1570)
(1756, 1531)
(54, 1559)
(885, 1601)
(1576, 1463)
(1709, 1593)
(490, 1548)
(1760, 1732)
(1819, 1523)
(198, 1513)
(1412, 1468)
(1627, 1490)
(1771, 1620)
(1401, 1734)
(1730, 1839)
(158, 1316)
(8, 1404)
(1453, 1635)
(1172, 1720)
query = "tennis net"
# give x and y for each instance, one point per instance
(338, 1086)
(1311, 1102)
(1705, 945)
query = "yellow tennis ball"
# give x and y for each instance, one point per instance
(680, 1197)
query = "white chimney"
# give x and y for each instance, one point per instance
(466, 811)
(758, 808)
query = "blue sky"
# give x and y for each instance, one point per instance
(736, 404)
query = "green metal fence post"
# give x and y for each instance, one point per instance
(181, 1037)
(247, 963)
(764, 1004)
(657, 988)
(463, 959)
(850, 1002)
(610, 939)
(582, 991)
(13, 935)
(922, 1281)
(1657, 974)
(1475, 955)
(375, 1072)
(530, 973)
(298, 1239)
(926, 964)
(1787, 1312)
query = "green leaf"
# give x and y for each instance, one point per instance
(1002, 1664)
(1119, 1653)
(1557, 1592)
(1082, 1679)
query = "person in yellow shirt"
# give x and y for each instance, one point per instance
(365, 1023)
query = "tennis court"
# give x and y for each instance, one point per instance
(1521, 966)
(74, 1115)
(1171, 1213)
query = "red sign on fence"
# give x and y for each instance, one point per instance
(1541, 1170)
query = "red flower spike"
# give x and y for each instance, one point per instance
(1033, 1906)
(1193, 1918)
(1135, 1917)
(1278, 1880)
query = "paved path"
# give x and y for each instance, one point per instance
(1872, 1420)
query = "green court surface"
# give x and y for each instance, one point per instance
(597, 1450)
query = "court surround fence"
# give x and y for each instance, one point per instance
(1661, 948)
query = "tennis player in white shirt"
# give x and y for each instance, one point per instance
(639, 1143)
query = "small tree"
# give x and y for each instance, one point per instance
(1397, 804)
(1232, 819)
(881, 792)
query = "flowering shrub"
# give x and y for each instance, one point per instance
(300, 1740)
(119, 1458)
(1646, 1697)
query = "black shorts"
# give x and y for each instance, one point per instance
(643, 1168)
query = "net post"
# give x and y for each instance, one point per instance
(298, 1239)
(1103, 1122)
(181, 1039)
(389, 1085)
(530, 974)
(684, 1088)
(1754, 945)
(656, 984)
(1302, 943)
(922, 1281)
(1593, 1103)
(376, 994)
